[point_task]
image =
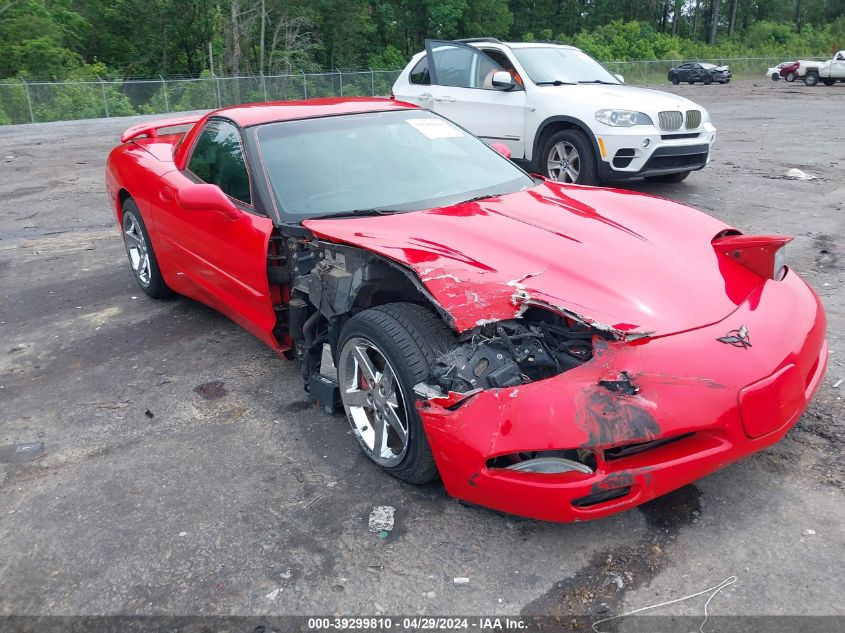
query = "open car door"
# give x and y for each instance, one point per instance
(462, 90)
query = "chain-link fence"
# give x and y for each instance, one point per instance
(38, 101)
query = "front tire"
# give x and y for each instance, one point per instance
(139, 249)
(569, 157)
(675, 81)
(775, 77)
(384, 352)
(679, 177)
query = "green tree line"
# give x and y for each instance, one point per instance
(61, 39)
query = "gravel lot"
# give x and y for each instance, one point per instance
(221, 495)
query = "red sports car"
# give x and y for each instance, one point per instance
(554, 351)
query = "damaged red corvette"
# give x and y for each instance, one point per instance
(548, 350)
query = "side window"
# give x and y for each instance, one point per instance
(840, 57)
(462, 66)
(218, 159)
(419, 73)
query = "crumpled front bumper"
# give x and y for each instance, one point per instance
(717, 402)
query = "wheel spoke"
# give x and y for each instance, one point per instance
(392, 415)
(572, 174)
(387, 380)
(380, 437)
(357, 397)
(365, 366)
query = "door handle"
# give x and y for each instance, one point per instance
(425, 95)
(166, 194)
(445, 98)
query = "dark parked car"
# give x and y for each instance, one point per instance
(692, 72)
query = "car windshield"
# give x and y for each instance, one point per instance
(566, 65)
(380, 161)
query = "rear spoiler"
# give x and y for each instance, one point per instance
(151, 128)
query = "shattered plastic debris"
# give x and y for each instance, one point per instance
(837, 383)
(274, 594)
(461, 580)
(21, 452)
(381, 519)
(149, 413)
(808, 533)
(797, 174)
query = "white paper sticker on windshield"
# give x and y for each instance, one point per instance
(435, 128)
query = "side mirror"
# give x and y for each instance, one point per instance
(619, 77)
(502, 80)
(206, 197)
(504, 150)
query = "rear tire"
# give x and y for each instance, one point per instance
(790, 77)
(679, 177)
(811, 78)
(828, 82)
(407, 339)
(139, 249)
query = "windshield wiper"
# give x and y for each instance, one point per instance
(600, 81)
(556, 82)
(484, 197)
(353, 212)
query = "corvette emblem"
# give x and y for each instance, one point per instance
(737, 338)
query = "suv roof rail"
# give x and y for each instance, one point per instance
(468, 40)
(558, 42)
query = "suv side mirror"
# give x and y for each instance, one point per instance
(206, 197)
(619, 77)
(502, 80)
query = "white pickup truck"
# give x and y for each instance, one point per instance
(828, 72)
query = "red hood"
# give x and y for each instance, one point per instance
(625, 261)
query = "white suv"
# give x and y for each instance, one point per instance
(559, 111)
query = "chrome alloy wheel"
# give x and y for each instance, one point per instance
(564, 163)
(136, 249)
(374, 401)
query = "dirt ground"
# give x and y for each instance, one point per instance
(161, 494)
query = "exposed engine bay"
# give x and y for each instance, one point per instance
(511, 353)
(329, 283)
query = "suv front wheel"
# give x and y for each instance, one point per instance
(568, 156)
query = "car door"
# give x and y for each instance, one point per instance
(837, 66)
(219, 257)
(462, 90)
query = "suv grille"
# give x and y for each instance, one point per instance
(693, 119)
(670, 120)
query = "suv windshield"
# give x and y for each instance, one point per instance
(565, 65)
(384, 161)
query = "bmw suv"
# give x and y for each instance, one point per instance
(559, 111)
